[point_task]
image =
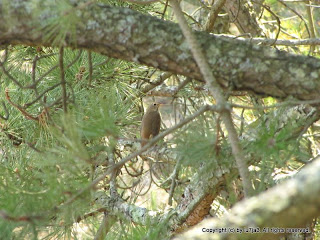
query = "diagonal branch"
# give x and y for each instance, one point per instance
(216, 91)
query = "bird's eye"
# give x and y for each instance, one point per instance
(154, 104)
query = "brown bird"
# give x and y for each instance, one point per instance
(150, 125)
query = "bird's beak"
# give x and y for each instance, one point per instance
(161, 104)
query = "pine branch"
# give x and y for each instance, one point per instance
(234, 62)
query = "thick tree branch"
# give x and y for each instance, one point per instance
(118, 207)
(126, 34)
(277, 207)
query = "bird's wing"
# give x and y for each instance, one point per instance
(156, 124)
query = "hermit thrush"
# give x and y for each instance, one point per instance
(150, 125)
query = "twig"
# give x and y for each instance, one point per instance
(215, 9)
(165, 9)
(295, 12)
(101, 63)
(42, 77)
(173, 180)
(91, 214)
(39, 96)
(112, 183)
(53, 68)
(218, 130)
(242, 123)
(90, 67)
(126, 185)
(236, 15)
(193, 19)
(182, 85)
(278, 22)
(20, 108)
(216, 91)
(142, 2)
(280, 42)
(311, 23)
(34, 67)
(310, 5)
(136, 174)
(31, 145)
(63, 80)
(33, 75)
(105, 226)
(75, 59)
(157, 82)
(72, 93)
(4, 70)
(6, 117)
(277, 105)
(5, 216)
(138, 192)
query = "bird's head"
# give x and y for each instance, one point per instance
(153, 107)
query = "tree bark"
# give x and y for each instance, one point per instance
(289, 205)
(126, 34)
